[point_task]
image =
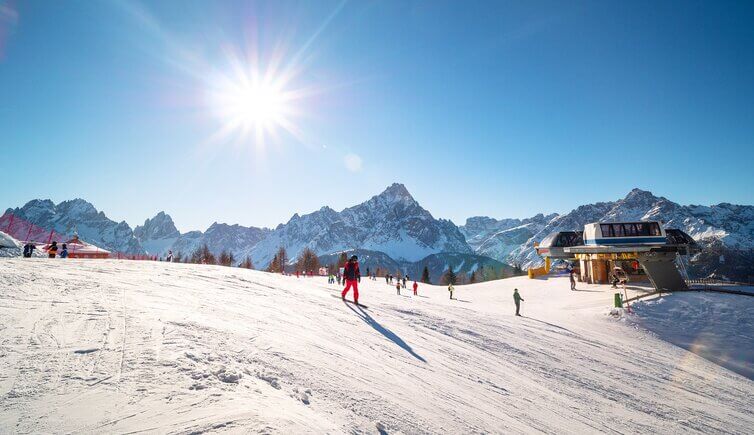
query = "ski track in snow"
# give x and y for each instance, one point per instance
(127, 346)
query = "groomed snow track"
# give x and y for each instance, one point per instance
(127, 346)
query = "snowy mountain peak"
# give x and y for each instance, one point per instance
(396, 192)
(391, 222)
(637, 195)
(159, 227)
(81, 217)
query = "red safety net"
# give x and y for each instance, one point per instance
(25, 232)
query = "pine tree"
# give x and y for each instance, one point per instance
(246, 263)
(225, 258)
(177, 257)
(203, 255)
(450, 276)
(425, 275)
(282, 259)
(274, 265)
(308, 262)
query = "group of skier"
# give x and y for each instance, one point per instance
(52, 250)
(352, 278)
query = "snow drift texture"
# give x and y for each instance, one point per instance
(126, 346)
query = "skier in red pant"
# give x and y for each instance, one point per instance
(352, 277)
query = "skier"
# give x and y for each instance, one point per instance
(338, 276)
(352, 277)
(398, 287)
(387, 279)
(416, 287)
(29, 250)
(404, 281)
(572, 277)
(52, 251)
(517, 299)
(64, 251)
(450, 289)
(170, 257)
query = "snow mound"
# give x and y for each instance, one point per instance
(7, 241)
(9, 247)
(716, 326)
(128, 346)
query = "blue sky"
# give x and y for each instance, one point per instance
(496, 108)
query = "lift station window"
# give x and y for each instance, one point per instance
(637, 229)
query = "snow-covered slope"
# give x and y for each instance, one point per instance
(512, 241)
(391, 222)
(80, 216)
(129, 346)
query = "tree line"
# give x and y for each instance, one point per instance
(308, 261)
(203, 255)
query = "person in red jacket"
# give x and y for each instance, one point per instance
(352, 277)
(416, 287)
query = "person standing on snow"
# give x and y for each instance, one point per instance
(170, 257)
(64, 252)
(572, 277)
(450, 289)
(398, 287)
(416, 287)
(404, 280)
(29, 250)
(517, 299)
(52, 251)
(352, 277)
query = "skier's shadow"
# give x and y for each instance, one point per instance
(384, 331)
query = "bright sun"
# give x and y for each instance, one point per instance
(259, 105)
(250, 104)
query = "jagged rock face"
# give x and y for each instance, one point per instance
(80, 216)
(733, 225)
(391, 222)
(158, 234)
(499, 238)
(159, 227)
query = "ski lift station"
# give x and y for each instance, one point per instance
(643, 250)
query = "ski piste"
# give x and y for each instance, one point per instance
(350, 301)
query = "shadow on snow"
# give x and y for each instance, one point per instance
(384, 331)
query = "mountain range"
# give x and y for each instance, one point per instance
(731, 227)
(393, 227)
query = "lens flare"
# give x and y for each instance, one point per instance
(254, 106)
